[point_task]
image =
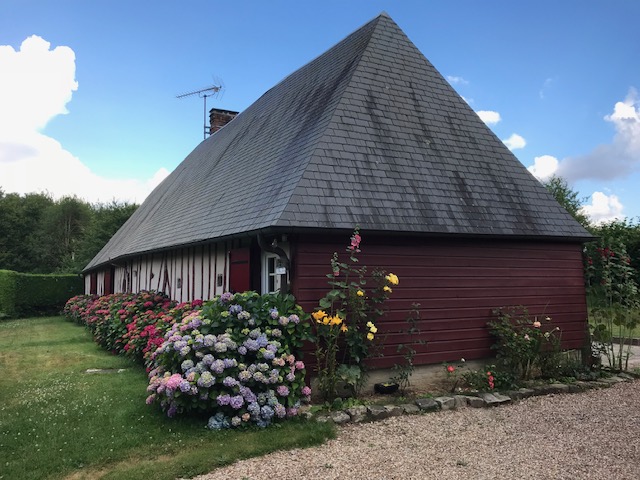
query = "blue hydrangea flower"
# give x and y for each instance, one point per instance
(206, 380)
(268, 355)
(294, 319)
(242, 350)
(230, 362)
(235, 309)
(185, 386)
(179, 345)
(209, 340)
(223, 400)
(251, 345)
(267, 412)
(184, 351)
(208, 359)
(262, 340)
(218, 422)
(186, 365)
(255, 333)
(217, 366)
(226, 297)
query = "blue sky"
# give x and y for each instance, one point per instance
(94, 112)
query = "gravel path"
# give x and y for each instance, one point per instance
(594, 434)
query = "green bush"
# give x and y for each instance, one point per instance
(25, 294)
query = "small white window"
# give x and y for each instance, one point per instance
(272, 273)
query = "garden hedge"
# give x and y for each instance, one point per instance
(25, 294)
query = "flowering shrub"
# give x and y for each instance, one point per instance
(346, 317)
(524, 346)
(236, 357)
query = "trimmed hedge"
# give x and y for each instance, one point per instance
(25, 294)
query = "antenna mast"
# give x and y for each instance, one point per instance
(211, 91)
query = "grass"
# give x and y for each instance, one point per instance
(58, 422)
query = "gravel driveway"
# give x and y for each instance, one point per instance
(589, 435)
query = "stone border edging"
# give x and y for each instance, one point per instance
(362, 413)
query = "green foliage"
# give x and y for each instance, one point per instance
(626, 232)
(615, 309)
(42, 235)
(23, 294)
(489, 378)
(524, 346)
(58, 422)
(568, 198)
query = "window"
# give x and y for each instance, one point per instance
(272, 273)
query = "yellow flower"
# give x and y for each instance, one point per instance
(369, 325)
(326, 320)
(344, 328)
(373, 330)
(392, 279)
(360, 293)
(335, 320)
(369, 336)
(319, 315)
(387, 289)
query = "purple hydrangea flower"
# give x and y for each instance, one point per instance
(248, 394)
(209, 340)
(230, 362)
(242, 350)
(290, 377)
(226, 297)
(274, 313)
(217, 366)
(294, 318)
(229, 382)
(172, 410)
(177, 346)
(283, 390)
(185, 386)
(251, 345)
(235, 309)
(244, 376)
(253, 408)
(236, 402)
(284, 321)
(272, 347)
(306, 391)
(223, 400)
(281, 412)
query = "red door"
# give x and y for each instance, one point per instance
(109, 280)
(239, 271)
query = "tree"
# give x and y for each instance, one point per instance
(568, 198)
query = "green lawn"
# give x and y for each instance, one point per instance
(58, 422)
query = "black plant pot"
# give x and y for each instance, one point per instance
(385, 388)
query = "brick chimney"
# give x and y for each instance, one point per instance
(219, 118)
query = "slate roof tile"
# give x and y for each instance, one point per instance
(369, 133)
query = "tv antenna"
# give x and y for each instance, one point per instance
(203, 93)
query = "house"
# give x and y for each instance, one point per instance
(370, 134)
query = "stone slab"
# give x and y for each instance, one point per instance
(446, 403)
(427, 404)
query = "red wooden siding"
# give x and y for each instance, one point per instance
(457, 283)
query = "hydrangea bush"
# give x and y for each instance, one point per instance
(235, 357)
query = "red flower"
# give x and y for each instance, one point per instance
(451, 369)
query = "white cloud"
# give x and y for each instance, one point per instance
(544, 167)
(617, 159)
(603, 208)
(489, 117)
(457, 80)
(35, 86)
(515, 141)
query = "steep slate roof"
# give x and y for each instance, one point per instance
(368, 133)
